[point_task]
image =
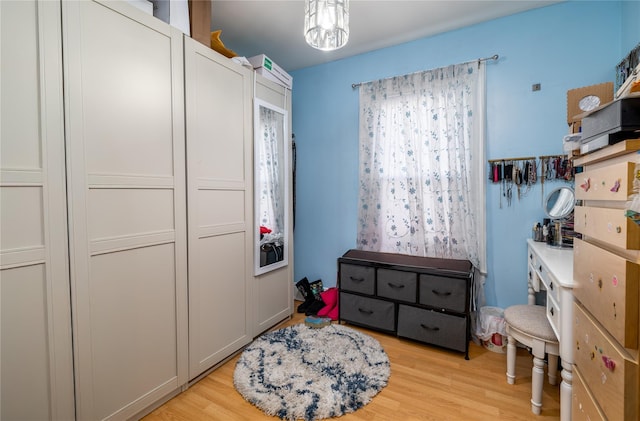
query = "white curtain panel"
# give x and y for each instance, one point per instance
(422, 172)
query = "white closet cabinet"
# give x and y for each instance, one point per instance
(273, 291)
(36, 352)
(124, 111)
(220, 206)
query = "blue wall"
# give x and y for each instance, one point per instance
(547, 46)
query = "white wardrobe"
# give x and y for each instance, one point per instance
(126, 212)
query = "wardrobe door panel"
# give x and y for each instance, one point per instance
(36, 346)
(222, 93)
(219, 192)
(125, 160)
(133, 310)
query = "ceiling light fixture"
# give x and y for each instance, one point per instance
(326, 23)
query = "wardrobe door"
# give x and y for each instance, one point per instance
(219, 173)
(125, 159)
(273, 291)
(36, 347)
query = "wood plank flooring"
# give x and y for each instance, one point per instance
(426, 383)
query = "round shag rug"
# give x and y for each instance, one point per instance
(300, 372)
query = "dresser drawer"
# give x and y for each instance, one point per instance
(357, 278)
(608, 370)
(613, 182)
(583, 405)
(607, 285)
(397, 285)
(443, 292)
(608, 225)
(378, 314)
(433, 327)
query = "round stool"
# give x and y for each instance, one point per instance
(528, 325)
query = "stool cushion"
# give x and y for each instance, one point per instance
(530, 319)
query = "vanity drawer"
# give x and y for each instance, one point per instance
(607, 285)
(584, 406)
(443, 293)
(534, 279)
(613, 182)
(608, 225)
(554, 312)
(533, 258)
(433, 327)
(378, 314)
(608, 370)
(357, 278)
(397, 285)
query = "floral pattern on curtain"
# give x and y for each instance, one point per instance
(270, 190)
(419, 191)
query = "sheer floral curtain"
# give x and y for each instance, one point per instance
(271, 200)
(422, 183)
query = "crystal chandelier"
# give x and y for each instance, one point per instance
(326, 23)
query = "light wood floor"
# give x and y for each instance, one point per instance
(426, 383)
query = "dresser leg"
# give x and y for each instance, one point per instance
(565, 391)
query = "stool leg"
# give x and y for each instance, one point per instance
(553, 369)
(511, 359)
(537, 378)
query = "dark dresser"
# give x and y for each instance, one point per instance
(420, 298)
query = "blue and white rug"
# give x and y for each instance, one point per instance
(300, 372)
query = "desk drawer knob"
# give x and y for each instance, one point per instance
(551, 285)
(618, 230)
(395, 286)
(356, 279)
(363, 311)
(551, 310)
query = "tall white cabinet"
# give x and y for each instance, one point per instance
(126, 210)
(220, 211)
(36, 365)
(127, 206)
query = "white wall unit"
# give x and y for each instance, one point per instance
(127, 206)
(273, 291)
(36, 352)
(219, 193)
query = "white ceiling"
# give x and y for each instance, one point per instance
(274, 28)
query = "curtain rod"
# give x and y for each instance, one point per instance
(493, 57)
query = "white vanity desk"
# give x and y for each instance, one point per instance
(551, 269)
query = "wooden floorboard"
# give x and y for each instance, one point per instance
(426, 383)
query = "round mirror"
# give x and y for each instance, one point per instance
(559, 203)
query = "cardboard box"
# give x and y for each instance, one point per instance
(200, 21)
(603, 91)
(174, 12)
(267, 68)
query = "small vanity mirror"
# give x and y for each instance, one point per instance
(271, 165)
(559, 203)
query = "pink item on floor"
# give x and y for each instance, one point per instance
(330, 298)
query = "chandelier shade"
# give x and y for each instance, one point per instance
(326, 23)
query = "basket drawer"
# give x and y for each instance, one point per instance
(378, 314)
(607, 285)
(444, 293)
(608, 370)
(608, 225)
(357, 278)
(397, 285)
(613, 182)
(433, 327)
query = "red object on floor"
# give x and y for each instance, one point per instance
(330, 298)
